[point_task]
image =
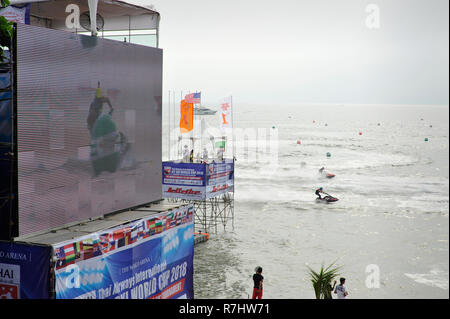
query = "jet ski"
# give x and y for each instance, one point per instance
(329, 175)
(327, 199)
(326, 174)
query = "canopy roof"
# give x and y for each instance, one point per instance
(118, 15)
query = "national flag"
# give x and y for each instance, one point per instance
(121, 242)
(193, 98)
(196, 98)
(96, 248)
(179, 217)
(78, 249)
(124, 241)
(120, 233)
(87, 249)
(147, 228)
(107, 242)
(69, 252)
(220, 144)
(186, 116)
(189, 98)
(59, 253)
(159, 225)
(87, 244)
(140, 229)
(134, 235)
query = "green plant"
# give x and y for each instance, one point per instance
(6, 30)
(322, 280)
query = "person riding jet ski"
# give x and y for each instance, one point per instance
(318, 191)
(326, 174)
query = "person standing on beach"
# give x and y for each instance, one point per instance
(330, 289)
(258, 283)
(340, 289)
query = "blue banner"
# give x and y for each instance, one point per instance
(219, 178)
(186, 174)
(197, 181)
(145, 259)
(24, 271)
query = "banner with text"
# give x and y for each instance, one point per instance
(150, 258)
(197, 181)
(219, 178)
(24, 271)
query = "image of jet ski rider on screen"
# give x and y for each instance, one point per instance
(108, 145)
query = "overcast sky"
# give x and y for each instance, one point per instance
(299, 51)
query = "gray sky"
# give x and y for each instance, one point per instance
(298, 51)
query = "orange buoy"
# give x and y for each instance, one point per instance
(200, 237)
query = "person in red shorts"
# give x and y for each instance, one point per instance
(258, 284)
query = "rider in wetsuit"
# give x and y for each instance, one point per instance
(318, 191)
(96, 108)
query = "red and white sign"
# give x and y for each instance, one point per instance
(14, 14)
(9, 291)
(219, 189)
(188, 192)
(9, 281)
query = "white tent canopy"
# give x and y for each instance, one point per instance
(117, 15)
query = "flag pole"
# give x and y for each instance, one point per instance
(232, 126)
(181, 135)
(168, 137)
(172, 153)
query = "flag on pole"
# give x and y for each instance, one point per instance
(189, 98)
(193, 98)
(220, 144)
(225, 107)
(197, 98)
(186, 116)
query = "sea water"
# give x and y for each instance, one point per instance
(389, 230)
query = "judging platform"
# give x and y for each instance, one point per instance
(197, 181)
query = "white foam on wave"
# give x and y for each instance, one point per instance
(435, 278)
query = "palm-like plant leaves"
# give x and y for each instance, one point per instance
(6, 30)
(322, 280)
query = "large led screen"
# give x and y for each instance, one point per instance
(88, 127)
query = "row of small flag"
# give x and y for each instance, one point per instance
(110, 240)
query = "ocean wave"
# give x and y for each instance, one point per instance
(435, 278)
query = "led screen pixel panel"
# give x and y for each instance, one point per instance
(88, 127)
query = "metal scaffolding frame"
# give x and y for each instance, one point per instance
(211, 213)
